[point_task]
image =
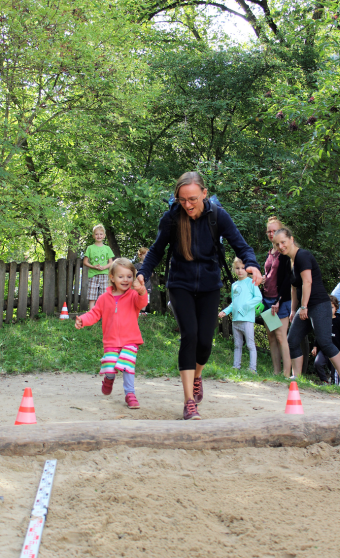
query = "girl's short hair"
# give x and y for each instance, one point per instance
(123, 262)
(142, 251)
(100, 226)
(334, 301)
(237, 261)
(274, 219)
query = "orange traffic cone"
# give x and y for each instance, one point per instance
(294, 405)
(26, 413)
(64, 313)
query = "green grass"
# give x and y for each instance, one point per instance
(51, 345)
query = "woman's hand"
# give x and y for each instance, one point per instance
(139, 286)
(79, 322)
(257, 277)
(303, 314)
(222, 314)
(314, 351)
(275, 308)
(263, 280)
(292, 314)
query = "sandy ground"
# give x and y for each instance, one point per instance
(78, 397)
(140, 502)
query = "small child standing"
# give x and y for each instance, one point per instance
(98, 257)
(119, 308)
(244, 297)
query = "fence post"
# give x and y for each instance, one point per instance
(84, 286)
(11, 291)
(62, 279)
(69, 287)
(49, 287)
(35, 289)
(76, 285)
(155, 296)
(23, 291)
(2, 290)
(225, 327)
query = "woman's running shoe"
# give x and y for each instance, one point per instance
(198, 390)
(190, 411)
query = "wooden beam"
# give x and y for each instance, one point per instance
(216, 434)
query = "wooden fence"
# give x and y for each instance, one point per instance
(46, 286)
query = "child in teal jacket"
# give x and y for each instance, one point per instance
(244, 297)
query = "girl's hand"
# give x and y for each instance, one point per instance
(257, 277)
(303, 314)
(275, 308)
(292, 314)
(139, 286)
(314, 351)
(79, 322)
(222, 314)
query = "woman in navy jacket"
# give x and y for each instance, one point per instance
(194, 279)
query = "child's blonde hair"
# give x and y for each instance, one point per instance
(236, 261)
(123, 262)
(142, 251)
(99, 226)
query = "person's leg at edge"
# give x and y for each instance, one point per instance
(298, 330)
(282, 344)
(319, 365)
(274, 351)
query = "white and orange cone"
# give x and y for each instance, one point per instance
(64, 313)
(26, 413)
(294, 405)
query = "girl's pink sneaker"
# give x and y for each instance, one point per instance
(131, 401)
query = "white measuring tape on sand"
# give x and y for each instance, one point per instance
(32, 541)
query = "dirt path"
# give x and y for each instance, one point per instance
(246, 503)
(78, 397)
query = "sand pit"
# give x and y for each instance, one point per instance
(240, 503)
(246, 503)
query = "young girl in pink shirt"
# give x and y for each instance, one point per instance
(119, 308)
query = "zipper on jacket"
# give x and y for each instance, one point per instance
(116, 310)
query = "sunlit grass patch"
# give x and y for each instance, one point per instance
(51, 345)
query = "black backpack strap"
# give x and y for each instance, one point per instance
(213, 226)
(173, 236)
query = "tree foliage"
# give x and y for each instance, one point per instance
(103, 106)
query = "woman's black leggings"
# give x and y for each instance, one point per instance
(196, 314)
(319, 320)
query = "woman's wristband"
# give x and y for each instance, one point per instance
(303, 307)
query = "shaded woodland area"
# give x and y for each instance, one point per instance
(104, 104)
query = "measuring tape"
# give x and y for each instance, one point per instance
(32, 541)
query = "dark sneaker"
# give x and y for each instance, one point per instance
(198, 390)
(190, 411)
(107, 385)
(131, 401)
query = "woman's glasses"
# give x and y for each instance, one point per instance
(183, 201)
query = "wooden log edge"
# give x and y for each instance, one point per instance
(215, 434)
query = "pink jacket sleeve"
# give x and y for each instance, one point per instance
(93, 316)
(141, 301)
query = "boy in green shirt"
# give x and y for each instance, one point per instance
(98, 258)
